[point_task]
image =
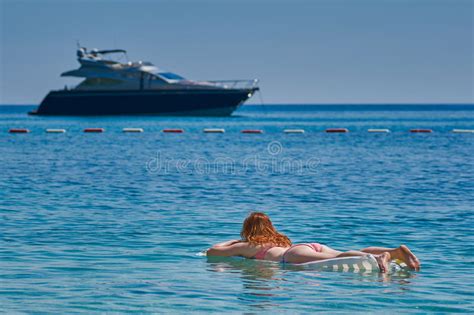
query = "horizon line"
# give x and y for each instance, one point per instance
(319, 104)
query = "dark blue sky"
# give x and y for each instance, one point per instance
(338, 51)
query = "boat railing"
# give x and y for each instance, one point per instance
(235, 84)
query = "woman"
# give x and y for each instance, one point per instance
(260, 240)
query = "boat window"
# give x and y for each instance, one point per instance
(156, 78)
(170, 76)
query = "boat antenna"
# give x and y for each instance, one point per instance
(81, 51)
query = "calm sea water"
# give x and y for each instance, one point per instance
(115, 222)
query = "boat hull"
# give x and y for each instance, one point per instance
(199, 102)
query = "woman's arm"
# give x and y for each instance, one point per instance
(227, 249)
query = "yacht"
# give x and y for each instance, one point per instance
(113, 86)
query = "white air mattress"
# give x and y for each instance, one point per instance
(346, 264)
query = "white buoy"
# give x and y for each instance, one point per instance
(132, 129)
(214, 130)
(463, 130)
(55, 130)
(293, 131)
(378, 130)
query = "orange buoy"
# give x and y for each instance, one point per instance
(421, 130)
(252, 131)
(94, 130)
(173, 130)
(18, 130)
(337, 130)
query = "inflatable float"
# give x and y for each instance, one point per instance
(356, 264)
(349, 264)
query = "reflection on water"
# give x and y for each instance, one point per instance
(259, 278)
(275, 281)
(250, 269)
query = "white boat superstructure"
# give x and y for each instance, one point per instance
(107, 74)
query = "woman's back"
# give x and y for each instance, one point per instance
(268, 252)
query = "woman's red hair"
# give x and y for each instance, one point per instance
(258, 230)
